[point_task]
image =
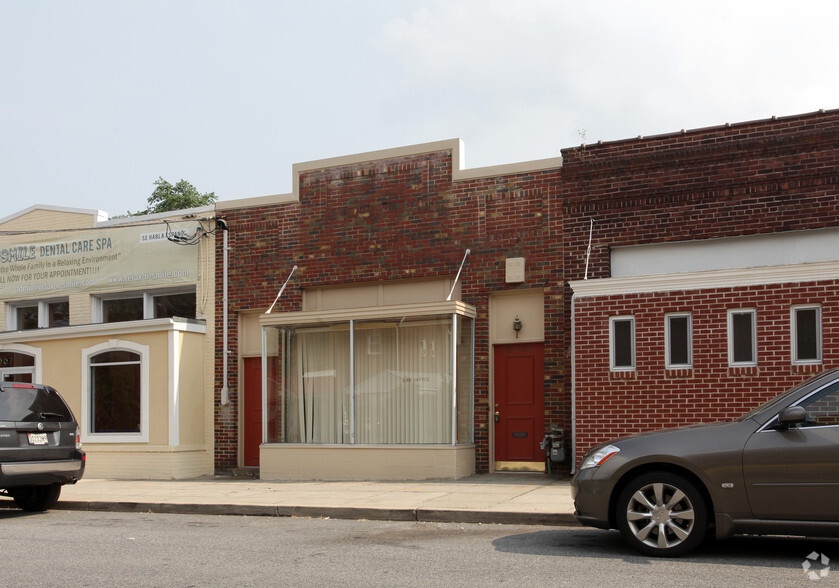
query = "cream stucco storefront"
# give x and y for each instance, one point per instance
(118, 316)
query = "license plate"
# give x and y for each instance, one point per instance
(38, 439)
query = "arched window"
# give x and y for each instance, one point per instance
(115, 400)
(115, 397)
(17, 367)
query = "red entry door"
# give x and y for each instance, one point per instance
(252, 415)
(519, 402)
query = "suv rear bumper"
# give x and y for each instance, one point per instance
(26, 473)
(41, 467)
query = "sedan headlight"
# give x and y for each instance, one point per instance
(599, 457)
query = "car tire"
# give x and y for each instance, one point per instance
(662, 514)
(36, 498)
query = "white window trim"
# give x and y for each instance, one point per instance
(793, 322)
(667, 317)
(148, 297)
(26, 350)
(115, 345)
(731, 313)
(43, 311)
(612, 321)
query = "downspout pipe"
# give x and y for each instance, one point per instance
(573, 387)
(225, 391)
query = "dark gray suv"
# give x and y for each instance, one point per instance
(40, 446)
(774, 470)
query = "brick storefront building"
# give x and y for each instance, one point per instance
(712, 279)
(378, 237)
(371, 371)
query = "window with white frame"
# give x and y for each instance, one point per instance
(678, 340)
(115, 392)
(806, 331)
(38, 314)
(742, 337)
(622, 343)
(17, 367)
(135, 306)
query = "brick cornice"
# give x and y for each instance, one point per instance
(695, 148)
(679, 195)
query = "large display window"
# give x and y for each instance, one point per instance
(384, 380)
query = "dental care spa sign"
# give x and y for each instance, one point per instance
(118, 258)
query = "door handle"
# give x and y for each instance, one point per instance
(497, 416)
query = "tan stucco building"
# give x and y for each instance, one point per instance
(118, 316)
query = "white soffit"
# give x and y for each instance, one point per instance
(728, 278)
(791, 248)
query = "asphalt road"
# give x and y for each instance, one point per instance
(73, 548)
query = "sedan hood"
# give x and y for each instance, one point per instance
(681, 442)
(671, 430)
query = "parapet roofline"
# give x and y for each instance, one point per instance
(141, 218)
(459, 173)
(700, 130)
(98, 215)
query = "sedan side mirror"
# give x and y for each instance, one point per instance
(792, 415)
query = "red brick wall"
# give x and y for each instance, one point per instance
(398, 219)
(403, 218)
(751, 178)
(611, 404)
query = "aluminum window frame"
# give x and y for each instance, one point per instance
(613, 342)
(668, 342)
(355, 319)
(795, 360)
(731, 313)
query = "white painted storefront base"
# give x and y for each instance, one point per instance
(365, 462)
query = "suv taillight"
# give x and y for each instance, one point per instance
(78, 438)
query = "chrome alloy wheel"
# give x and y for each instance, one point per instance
(660, 515)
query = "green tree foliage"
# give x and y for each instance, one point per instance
(168, 197)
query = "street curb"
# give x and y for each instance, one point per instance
(359, 513)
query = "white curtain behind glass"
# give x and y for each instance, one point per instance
(403, 383)
(318, 400)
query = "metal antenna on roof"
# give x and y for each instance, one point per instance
(280, 293)
(588, 249)
(457, 277)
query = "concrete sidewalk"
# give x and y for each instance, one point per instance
(490, 498)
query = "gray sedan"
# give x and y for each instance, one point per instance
(774, 470)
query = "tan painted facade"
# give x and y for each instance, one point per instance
(374, 462)
(176, 368)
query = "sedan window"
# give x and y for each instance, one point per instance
(822, 408)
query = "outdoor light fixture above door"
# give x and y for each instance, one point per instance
(517, 324)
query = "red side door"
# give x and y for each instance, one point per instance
(252, 415)
(519, 402)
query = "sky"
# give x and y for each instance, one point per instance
(100, 98)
